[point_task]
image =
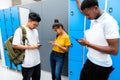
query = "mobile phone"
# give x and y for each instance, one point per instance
(39, 45)
(50, 42)
(75, 38)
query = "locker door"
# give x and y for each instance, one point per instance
(2, 25)
(113, 9)
(15, 24)
(8, 22)
(76, 50)
(9, 32)
(15, 18)
(102, 4)
(76, 19)
(74, 70)
(3, 30)
(115, 75)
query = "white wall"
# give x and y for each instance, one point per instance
(23, 15)
(5, 4)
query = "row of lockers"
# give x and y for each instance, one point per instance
(9, 21)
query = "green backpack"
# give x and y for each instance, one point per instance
(16, 55)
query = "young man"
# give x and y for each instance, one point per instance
(31, 65)
(101, 39)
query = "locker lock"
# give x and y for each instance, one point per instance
(72, 13)
(71, 73)
(110, 10)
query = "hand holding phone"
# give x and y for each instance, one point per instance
(39, 45)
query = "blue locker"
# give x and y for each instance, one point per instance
(15, 24)
(2, 25)
(4, 35)
(9, 21)
(102, 4)
(15, 17)
(115, 75)
(9, 32)
(74, 69)
(75, 52)
(76, 21)
(113, 9)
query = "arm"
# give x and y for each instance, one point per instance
(61, 47)
(78, 3)
(26, 46)
(112, 47)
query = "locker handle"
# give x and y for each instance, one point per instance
(72, 13)
(110, 10)
(71, 73)
(71, 45)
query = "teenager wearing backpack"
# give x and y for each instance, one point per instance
(31, 67)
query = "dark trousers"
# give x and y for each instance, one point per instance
(56, 62)
(33, 72)
(92, 71)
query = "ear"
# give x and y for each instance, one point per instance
(29, 20)
(96, 7)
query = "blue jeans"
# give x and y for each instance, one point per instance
(33, 72)
(56, 62)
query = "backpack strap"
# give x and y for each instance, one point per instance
(24, 35)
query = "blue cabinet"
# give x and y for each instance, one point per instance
(113, 9)
(15, 18)
(115, 75)
(2, 25)
(9, 21)
(75, 52)
(75, 17)
(74, 69)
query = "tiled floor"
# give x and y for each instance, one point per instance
(7, 74)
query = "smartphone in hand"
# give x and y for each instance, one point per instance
(75, 39)
(39, 45)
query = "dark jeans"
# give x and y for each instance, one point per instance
(56, 62)
(33, 72)
(92, 71)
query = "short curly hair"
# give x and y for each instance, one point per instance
(88, 4)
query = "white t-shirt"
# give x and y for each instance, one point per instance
(32, 56)
(105, 27)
